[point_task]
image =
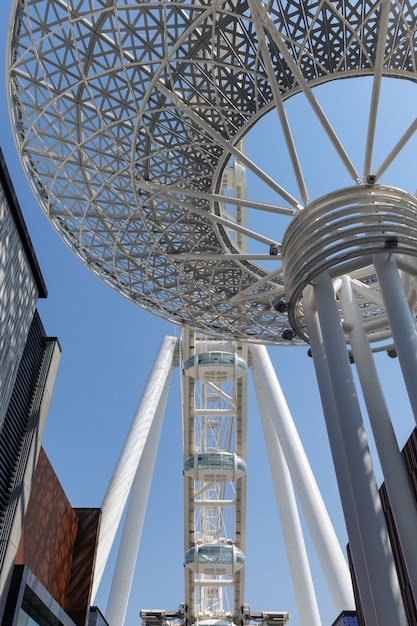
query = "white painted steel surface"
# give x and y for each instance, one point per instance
(403, 323)
(328, 550)
(121, 482)
(340, 453)
(383, 581)
(126, 131)
(135, 516)
(291, 526)
(396, 479)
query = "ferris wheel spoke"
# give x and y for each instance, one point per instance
(230, 224)
(266, 58)
(376, 85)
(407, 266)
(221, 393)
(227, 145)
(247, 293)
(278, 40)
(199, 256)
(157, 188)
(396, 149)
(261, 296)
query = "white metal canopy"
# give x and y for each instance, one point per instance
(127, 114)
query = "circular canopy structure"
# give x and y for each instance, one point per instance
(130, 119)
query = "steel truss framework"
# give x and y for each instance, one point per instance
(127, 113)
(128, 117)
(214, 418)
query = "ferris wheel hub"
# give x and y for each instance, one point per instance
(340, 233)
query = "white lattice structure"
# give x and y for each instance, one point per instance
(130, 116)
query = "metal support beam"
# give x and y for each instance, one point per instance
(401, 321)
(338, 451)
(291, 526)
(382, 576)
(121, 482)
(333, 564)
(135, 516)
(396, 479)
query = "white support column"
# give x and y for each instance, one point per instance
(124, 473)
(338, 454)
(291, 526)
(396, 480)
(382, 575)
(401, 321)
(335, 570)
(135, 516)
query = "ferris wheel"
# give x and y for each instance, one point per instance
(129, 118)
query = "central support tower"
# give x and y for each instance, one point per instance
(214, 430)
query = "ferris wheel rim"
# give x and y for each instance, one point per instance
(166, 250)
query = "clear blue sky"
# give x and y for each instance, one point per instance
(108, 346)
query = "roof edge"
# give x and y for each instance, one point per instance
(17, 215)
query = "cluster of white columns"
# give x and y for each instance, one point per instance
(363, 513)
(371, 551)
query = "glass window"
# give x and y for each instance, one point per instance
(34, 613)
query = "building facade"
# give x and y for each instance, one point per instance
(47, 548)
(53, 572)
(28, 366)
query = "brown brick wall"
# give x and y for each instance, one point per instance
(49, 532)
(59, 543)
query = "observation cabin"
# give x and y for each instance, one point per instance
(215, 366)
(215, 466)
(215, 559)
(234, 177)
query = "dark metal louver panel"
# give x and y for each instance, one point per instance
(19, 424)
